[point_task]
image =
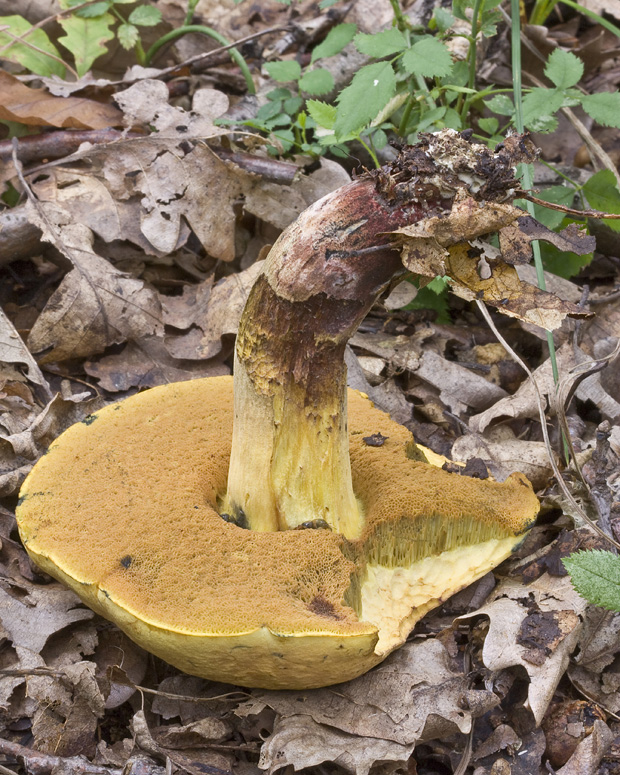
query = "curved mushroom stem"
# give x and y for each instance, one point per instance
(290, 454)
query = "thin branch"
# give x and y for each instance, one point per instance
(543, 422)
(568, 210)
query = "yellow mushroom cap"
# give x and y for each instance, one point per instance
(124, 509)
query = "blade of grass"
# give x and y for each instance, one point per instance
(526, 169)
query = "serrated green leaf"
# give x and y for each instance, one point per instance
(335, 40)
(35, 61)
(443, 18)
(322, 113)
(370, 91)
(86, 39)
(539, 106)
(489, 125)
(145, 16)
(501, 104)
(292, 105)
(284, 71)
(601, 192)
(596, 576)
(429, 58)
(128, 35)
(381, 44)
(279, 93)
(563, 69)
(317, 82)
(96, 9)
(604, 107)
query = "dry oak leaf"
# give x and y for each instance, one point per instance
(535, 626)
(498, 284)
(95, 305)
(20, 450)
(147, 364)
(37, 107)
(415, 695)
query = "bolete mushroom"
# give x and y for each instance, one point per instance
(279, 541)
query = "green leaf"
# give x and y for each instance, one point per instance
(489, 125)
(596, 576)
(284, 71)
(86, 38)
(602, 193)
(370, 91)
(428, 57)
(434, 296)
(292, 105)
(539, 106)
(501, 104)
(96, 9)
(335, 40)
(564, 69)
(381, 44)
(561, 195)
(145, 16)
(35, 61)
(280, 93)
(319, 81)
(128, 35)
(562, 263)
(322, 113)
(443, 18)
(327, 3)
(604, 107)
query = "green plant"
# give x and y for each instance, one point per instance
(596, 576)
(88, 27)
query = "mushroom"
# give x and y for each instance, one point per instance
(291, 537)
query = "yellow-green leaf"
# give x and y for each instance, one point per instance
(86, 39)
(38, 62)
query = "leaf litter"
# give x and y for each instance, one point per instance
(143, 236)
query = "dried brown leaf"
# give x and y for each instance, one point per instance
(414, 695)
(147, 364)
(37, 107)
(95, 305)
(498, 284)
(21, 449)
(546, 657)
(226, 304)
(515, 239)
(589, 752)
(504, 456)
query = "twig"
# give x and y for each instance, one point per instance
(568, 210)
(545, 432)
(37, 763)
(17, 39)
(62, 143)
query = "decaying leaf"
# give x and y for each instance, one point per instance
(537, 627)
(37, 107)
(442, 245)
(95, 305)
(20, 447)
(226, 304)
(504, 454)
(415, 695)
(14, 350)
(516, 238)
(497, 283)
(147, 364)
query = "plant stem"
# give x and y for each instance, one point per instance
(526, 169)
(210, 33)
(191, 7)
(471, 56)
(401, 20)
